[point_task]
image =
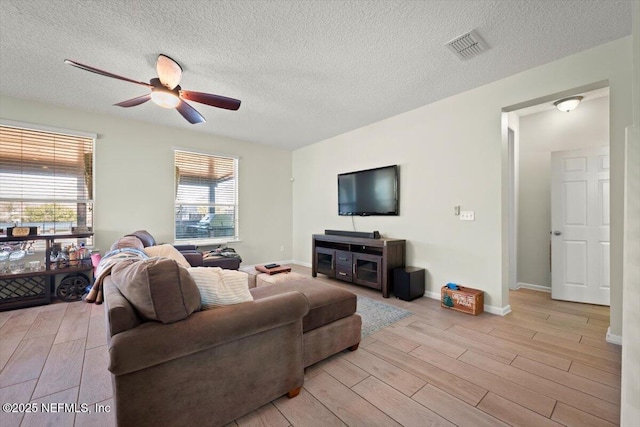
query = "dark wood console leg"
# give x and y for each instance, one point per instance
(293, 393)
(354, 347)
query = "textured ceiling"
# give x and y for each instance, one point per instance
(304, 70)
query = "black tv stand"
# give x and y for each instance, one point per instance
(364, 261)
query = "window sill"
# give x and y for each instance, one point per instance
(205, 242)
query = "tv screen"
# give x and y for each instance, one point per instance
(369, 192)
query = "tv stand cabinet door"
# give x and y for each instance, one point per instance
(325, 260)
(367, 270)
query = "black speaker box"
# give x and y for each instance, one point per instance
(408, 282)
(363, 234)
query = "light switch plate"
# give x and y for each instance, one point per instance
(467, 216)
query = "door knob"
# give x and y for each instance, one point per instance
(557, 233)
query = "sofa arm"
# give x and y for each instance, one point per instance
(191, 253)
(119, 313)
(153, 343)
(194, 258)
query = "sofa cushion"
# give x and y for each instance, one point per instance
(158, 288)
(220, 287)
(127, 242)
(145, 237)
(327, 303)
(167, 251)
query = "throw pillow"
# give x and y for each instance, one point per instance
(220, 287)
(158, 288)
(167, 251)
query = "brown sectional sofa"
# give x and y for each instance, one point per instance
(214, 366)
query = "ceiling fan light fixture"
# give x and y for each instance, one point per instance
(166, 92)
(568, 104)
(165, 98)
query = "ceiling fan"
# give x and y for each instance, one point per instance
(166, 92)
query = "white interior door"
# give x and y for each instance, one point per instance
(580, 225)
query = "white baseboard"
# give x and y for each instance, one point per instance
(533, 287)
(613, 339)
(302, 263)
(432, 295)
(500, 311)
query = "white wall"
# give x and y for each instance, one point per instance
(630, 399)
(540, 135)
(134, 178)
(450, 153)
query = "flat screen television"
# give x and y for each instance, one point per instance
(369, 192)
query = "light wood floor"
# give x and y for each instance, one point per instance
(545, 364)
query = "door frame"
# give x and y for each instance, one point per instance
(509, 230)
(512, 152)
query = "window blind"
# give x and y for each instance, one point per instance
(206, 198)
(46, 180)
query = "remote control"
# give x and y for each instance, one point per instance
(272, 265)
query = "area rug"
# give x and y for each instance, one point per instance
(377, 315)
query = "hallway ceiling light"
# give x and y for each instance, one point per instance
(568, 104)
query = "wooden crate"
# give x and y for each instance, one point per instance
(466, 300)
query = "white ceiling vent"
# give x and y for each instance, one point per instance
(467, 45)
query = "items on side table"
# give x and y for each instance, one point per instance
(28, 277)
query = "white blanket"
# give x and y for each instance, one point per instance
(220, 287)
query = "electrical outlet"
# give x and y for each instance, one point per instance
(467, 216)
(281, 248)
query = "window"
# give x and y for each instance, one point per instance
(46, 180)
(206, 197)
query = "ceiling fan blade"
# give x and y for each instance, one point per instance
(190, 113)
(134, 101)
(169, 71)
(103, 73)
(211, 99)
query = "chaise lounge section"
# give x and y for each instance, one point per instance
(330, 326)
